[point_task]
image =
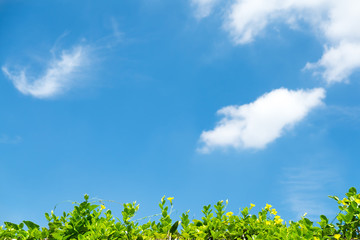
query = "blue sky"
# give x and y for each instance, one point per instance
(248, 100)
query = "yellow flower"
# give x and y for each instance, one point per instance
(252, 205)
(357, 201)
(170, 199)
(268, 206)
(267, 222)
(273, 211)
(278, 221)
(229, 214)
(102, 207)
(316, 238)
(337, 236)
(345, 201)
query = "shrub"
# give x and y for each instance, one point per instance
(91, 221)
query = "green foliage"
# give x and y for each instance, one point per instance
(90, 221)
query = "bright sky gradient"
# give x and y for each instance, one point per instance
(255, 101)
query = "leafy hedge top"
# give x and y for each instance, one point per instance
(92, 221)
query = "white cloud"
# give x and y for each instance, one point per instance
(203, 8)
(248, 18)
(335, 21)
(259, 123)
(338, 62)
(59, 76)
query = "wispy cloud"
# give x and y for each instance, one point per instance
(306, 190)
(116, 31)
(59, 76)
(66, 67)
(203, 8)
(259, 123)
(335, 21)
(5, 139)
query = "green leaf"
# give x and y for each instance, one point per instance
(31, 225)
(324, 218)
(86, 197)
(308, 223)
(47, 216)
(10, 225)
(198, 223)
(341, 217)
(352, 192)
(174, 227)
(92, 207)
(348, 217)
(334, 197)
